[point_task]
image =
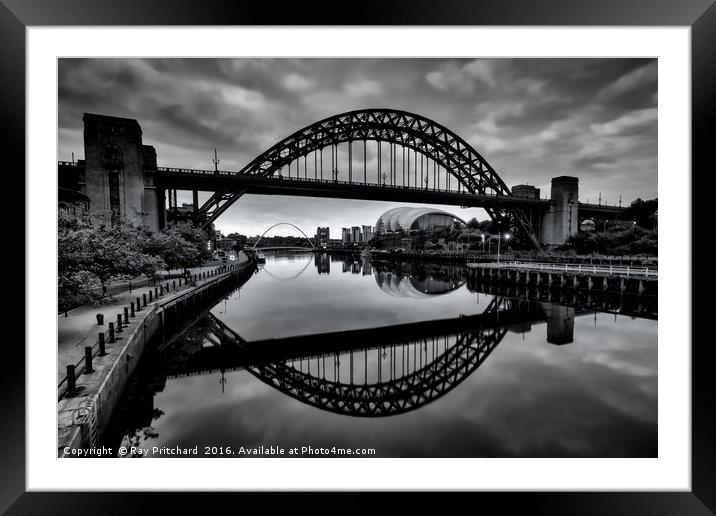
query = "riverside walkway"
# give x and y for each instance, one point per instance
(79, 328)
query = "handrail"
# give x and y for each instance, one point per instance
(189, 171)
(80, 365)
(581, 268)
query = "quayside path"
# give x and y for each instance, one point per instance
(79, 328)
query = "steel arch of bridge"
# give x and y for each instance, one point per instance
(396, 396)
(409, 130)
(283, 224)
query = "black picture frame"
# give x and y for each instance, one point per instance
(700, 15)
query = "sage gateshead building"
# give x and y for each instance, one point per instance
(407, 219)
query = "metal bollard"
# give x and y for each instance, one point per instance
(131, 308)
(150, 296)
(119, 323)
(139, 305)
(126, 315)
(100, 340)
(111, 333)
(144, 299)
(71, 381)
(88, 360)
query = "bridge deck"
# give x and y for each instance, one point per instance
(189, 179)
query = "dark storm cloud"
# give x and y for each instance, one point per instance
(532, 119)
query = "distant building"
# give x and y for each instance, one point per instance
(181, 214)
(355, 234)
(526, 191)
(345, 235)
(323, 236)
(226, 244)
(411, 219)
(367, 233)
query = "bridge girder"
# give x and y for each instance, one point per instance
(409, 130)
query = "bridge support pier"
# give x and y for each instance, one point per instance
(560, 221)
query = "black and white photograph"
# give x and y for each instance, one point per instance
(357, 257)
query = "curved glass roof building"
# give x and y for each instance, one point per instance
(407, 219)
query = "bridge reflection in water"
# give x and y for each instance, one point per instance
(370, 372)
(373, 372)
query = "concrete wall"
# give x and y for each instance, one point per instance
(105, 385)
(560, 221)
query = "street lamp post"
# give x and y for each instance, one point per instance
(499, 237)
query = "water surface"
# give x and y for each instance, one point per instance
(495, 378)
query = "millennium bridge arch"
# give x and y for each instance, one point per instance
(467, 169)
(255, 246)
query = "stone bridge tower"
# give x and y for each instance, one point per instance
(561, 220)
(119, 170)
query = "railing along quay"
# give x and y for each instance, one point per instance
(68, 384)
(608, 278)
(610, 270)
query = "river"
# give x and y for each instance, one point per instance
(407, 359)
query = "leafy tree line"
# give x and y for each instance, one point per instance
(630, 242)
(94, 250)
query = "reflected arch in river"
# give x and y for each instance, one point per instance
(373, 372)
(265, 268)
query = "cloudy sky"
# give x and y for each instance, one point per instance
(532, 119)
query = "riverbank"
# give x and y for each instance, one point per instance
(472, 256)
(82, 417)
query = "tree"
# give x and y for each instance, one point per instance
(92, 250)
(173, 249)
(194, 236)
(642, 212)
(473, 224)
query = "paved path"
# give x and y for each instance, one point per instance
(80, 328)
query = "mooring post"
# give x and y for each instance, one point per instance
(88, 360)
(131, 308)
(139, 305)
(126, 315)
(144, 298)
(71, 380)
(150, 296)
(119, 323)
(100, 340)
(111, 333)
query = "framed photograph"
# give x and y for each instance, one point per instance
(422, 257)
